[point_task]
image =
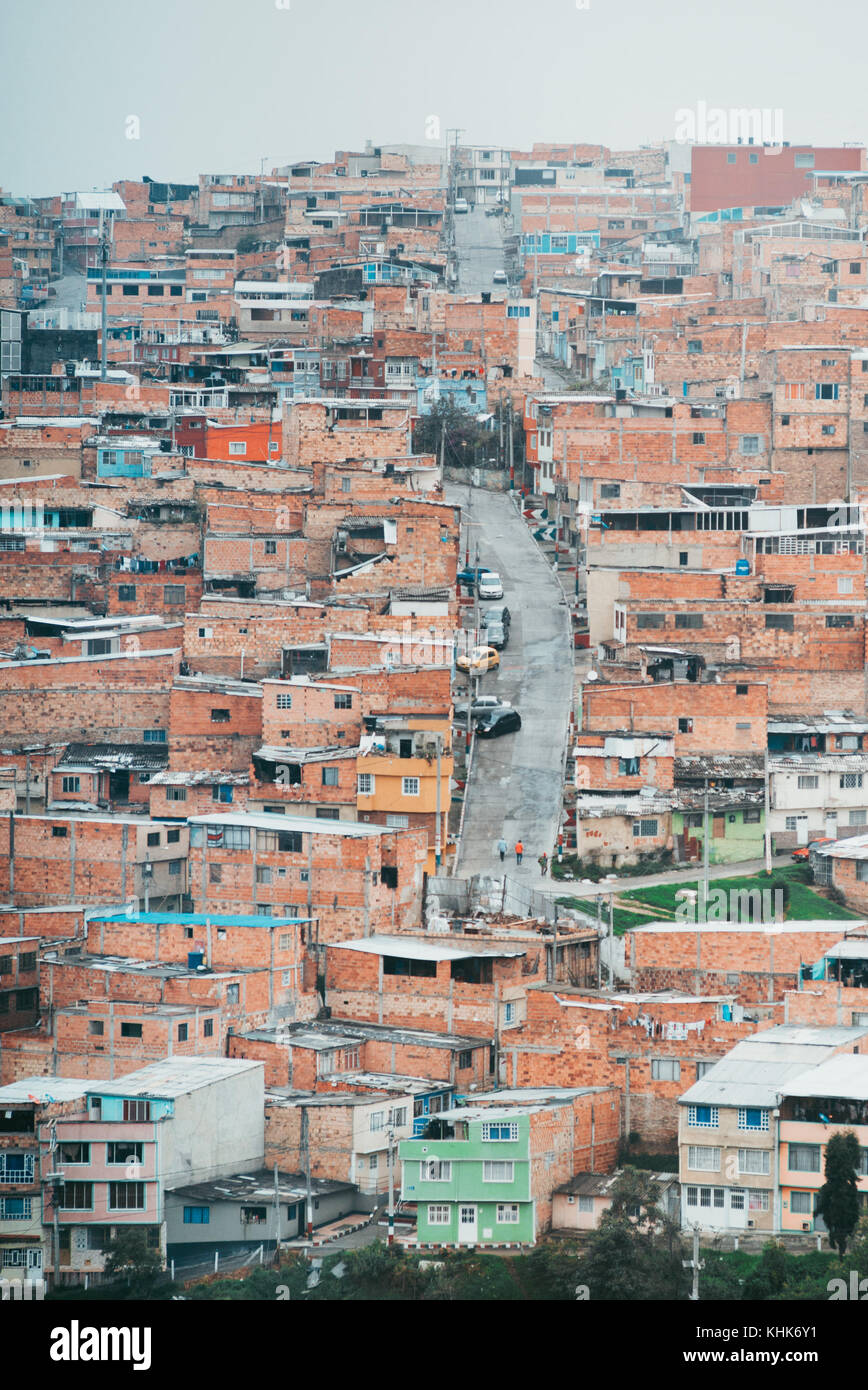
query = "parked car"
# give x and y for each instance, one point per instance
(490, 585)
(803, 853)
(478, 660)
(470, 574)
(461, 205)
(496, 635)
(503, 721)
(480, 706)
(498, 614)
(500, 277)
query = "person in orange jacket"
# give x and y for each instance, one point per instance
(519, 851)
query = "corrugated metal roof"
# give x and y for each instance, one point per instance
(720, 765)
(845, 1076)
(755, 1070)
(173, 1076)
(137, 757)
(848, 950)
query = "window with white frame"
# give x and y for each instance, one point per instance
(365, 784)
(703, 1158)
(506, 1130)
(702, 1116)
(436, 1170)
(509, 1011)
(237, 446)
(753, 1161)
(378, 1120)
(692, 1196)
(585, 1203)
(284, 699)
(16, 1168)
(495, 1170)
(15, 1208)
(439, 1214)
(397, 821)
(736, 1199)
(410, 786)
(808, 783)
(507, 1213)
(757, 1199)
(752, 1118)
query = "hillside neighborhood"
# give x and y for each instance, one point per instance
(433, 705)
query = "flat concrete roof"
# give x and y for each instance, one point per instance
(412, 948)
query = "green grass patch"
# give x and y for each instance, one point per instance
(804, 903)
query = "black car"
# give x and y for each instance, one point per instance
(496, 635)
(499, 721)
(498, 613)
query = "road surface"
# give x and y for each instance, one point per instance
(479, 247)
(516, 783)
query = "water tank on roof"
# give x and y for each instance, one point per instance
(742, 567)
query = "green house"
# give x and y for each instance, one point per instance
(484, 1174)
(472, 1186)
(736, 831)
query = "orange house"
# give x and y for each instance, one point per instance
(259, 443)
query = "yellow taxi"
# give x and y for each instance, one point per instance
(478, 659)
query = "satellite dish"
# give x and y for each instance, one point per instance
(591, 676)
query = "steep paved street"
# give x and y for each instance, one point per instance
(516, 782)
(479, 244)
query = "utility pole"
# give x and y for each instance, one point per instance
(437, 831)
(705, 856)
(767, 838)
(511, 449)
(696, 1265)
(103, 254)
(390, 1140)
(276, 1216)
(611, 941)
(305, 1145)
(599, 939)
(261, 190)
(579, 516)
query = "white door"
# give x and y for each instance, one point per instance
(801, 830)
(467, 1225)
(34, 1260)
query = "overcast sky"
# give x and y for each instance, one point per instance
(218, 84)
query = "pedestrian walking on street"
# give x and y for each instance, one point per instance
(519, 851)
(502, 848)
(543, 862)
